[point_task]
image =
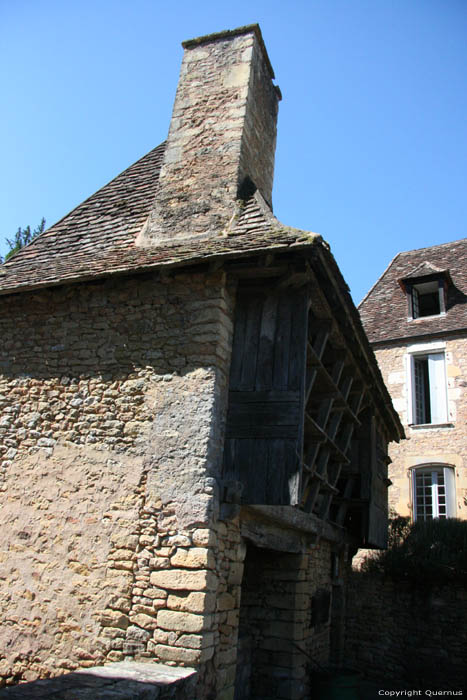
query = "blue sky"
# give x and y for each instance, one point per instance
(372, 142)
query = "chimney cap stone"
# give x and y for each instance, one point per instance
(227, 34)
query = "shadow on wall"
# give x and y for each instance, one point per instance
(397, 630)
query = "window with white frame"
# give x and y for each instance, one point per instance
(427, 388)
(426, 293)
(426, 299)
(433, 492)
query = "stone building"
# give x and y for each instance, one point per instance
(194, 428)
(415, 317)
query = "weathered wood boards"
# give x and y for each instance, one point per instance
(265, 416)
(300, 429)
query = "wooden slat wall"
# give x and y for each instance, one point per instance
(264, 422)
(301, 427)
(377, 535)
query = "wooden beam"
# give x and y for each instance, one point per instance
(311, 374)
(318, 334)
(344, 502)
(215, 265)
(317, 432)
(254, 272)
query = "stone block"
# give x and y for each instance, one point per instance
(182, 579)
(112, 632)
(194, 558)
(195, 602)
(228, 657)
(114, 618)
(145, 621)
(182, 621)
(235, 574)
(195, 641)
(145, 609)
(159, 563)
(162, 636)
(155, 593)
(123, 555)
(118, 603)
(176, 541)
(226, 602)
(191, 641)
(138, 634)
(203, 537)
(177, 654)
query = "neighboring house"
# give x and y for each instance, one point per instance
(194, 427)
(415, 317)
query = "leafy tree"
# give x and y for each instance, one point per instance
(429, 552)
(23, 236)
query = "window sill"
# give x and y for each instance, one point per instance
(430, 426)
(410, 319)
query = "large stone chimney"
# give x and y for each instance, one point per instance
(222, 136)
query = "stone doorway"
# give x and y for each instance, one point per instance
(273, 614)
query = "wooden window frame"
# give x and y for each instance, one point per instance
(413, 298)
(430, 389)
(442, 485)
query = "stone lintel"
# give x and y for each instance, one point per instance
(287, 528)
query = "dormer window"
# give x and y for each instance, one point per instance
(427, 299)
(426, 293)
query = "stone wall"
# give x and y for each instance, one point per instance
(424, 444)
(286, 616)
(407, 634)
(112, 399)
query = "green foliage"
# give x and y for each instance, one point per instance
(399, 528)
(431, 552)
(23, 236)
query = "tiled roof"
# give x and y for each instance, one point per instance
(98, 237)
(425, 268)
(384, 309)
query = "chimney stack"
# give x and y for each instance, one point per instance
(221, 139)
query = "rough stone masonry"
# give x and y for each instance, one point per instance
(120, 538)
(101, 495)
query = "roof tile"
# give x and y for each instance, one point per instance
(98, 237)
(384, 309)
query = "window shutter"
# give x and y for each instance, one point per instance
(450, 484)
(442, 296)
(437, 380)
(435, 494)
(419, 407)
(415, 303)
